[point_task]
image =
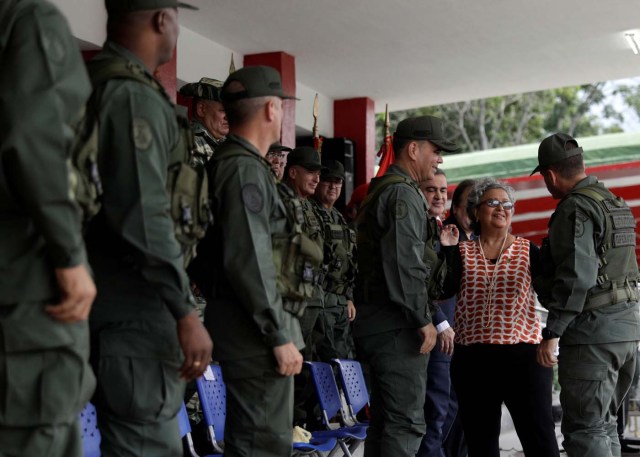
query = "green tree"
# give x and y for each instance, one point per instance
(525, 118)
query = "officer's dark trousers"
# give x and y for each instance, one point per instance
(139, 390)
(259, 409)
(398, 383)
(594, 379)
(440, 407)
(336, 342)
(487, 375)
(45, 381)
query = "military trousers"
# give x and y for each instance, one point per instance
(259, 409)
(312, 331)
(45, 381)
(139, 390)
(336, 342)
(398, 380)
(594, 379)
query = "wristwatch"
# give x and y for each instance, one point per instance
(548, 334)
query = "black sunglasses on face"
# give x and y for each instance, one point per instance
(494, 203)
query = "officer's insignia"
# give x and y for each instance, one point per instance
(142, 136)
(578, 228)
(252, 198)
(400, 209)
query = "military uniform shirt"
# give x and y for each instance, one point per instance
(131, 242)
(400, 218)
(205, 144)
(573, 233)
(39, 221)
(245, 315)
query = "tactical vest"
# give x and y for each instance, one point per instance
(339, 246)
(372, 286)
(187, 187)
(298, 257)
(618, 276)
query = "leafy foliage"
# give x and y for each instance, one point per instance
(527, 118)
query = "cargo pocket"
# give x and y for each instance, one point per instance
(583, 389)
(48, 377)
(138, 380)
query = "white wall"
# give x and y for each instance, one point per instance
(197, 57)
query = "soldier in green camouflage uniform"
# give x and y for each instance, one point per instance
(145, 331)
(339, 266)
(45, 288)
(591, 290)
(209, 121)
(393, 332)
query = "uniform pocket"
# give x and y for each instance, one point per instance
(138, 376)
(583, 389)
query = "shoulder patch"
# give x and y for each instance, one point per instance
(252, 198)
(142, 136)
(400, 209)
(578, 227)
(53, 46)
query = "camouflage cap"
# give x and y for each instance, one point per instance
(206, 88)
(553, 149)
(257, 81)
(305, 157)
(332, 169)
(129, 6)
(424, 128)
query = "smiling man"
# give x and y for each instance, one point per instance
(339, 266)
(393, 333)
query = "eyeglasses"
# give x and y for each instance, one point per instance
(494, 203)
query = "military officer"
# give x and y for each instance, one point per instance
(209, 121)
(145, 330)
(45, 288)
(592, 297)
(301, 177)
(393, 332)
(339, 266)
(277, 157)
(256, 333)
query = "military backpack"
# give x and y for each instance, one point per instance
(187, 187)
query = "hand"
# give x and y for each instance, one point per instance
(288, 358)
(449, 235)
(429, 335)
(445, 338)
(77, 291)
(351, 311)
(545, 354)
(196, 346)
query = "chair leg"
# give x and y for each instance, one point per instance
(345, 449)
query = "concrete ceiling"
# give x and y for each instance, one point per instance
(412, 53)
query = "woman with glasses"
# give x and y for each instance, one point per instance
(497, 330)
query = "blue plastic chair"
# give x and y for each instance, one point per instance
(185, 434)
(349, 437)
(89, 431)
(353, 385)
(213, 399)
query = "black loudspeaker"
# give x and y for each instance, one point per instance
(342, 150)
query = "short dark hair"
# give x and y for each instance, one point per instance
(241, 111)
(456, 198)
(399, 144)
(440, 171)
(569, 167)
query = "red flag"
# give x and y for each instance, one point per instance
(317, 143)
(387, 155)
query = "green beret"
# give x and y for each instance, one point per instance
(206, 88)
(129, 6)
